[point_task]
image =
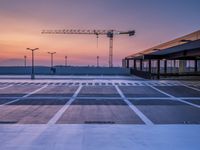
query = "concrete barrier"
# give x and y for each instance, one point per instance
(61, 70)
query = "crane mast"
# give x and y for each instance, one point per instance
(110, 34)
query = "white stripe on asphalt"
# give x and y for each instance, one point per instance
(5, 87)
(57, 116)
(175, 98)
(193, 88)
(108, 98)
(27, 95)
(134, 108)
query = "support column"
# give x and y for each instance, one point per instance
(127, 63)
(141, 64)
(158, 69)
(174, 66)
(195, 65)
(150, 66)
(165, 67)
(198, 64)
(182, 66)
(134, 64)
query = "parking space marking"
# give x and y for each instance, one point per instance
(27, 95)
(134, 108)
(175, 98)
(39, 97)
(5, 87)
(191, 83)
(57, 116)
(193, 88)
(108, 98)
(163, 98)
(100, 83)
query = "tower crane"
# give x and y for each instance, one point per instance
(110, 34)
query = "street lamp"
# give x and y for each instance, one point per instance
(25, 63)
(65, 61)
(51, 53)
(32, 73)
(25, 57)
(97, 61)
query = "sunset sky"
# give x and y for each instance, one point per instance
(155, 21)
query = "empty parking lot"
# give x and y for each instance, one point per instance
(100, 102)
(99, 114)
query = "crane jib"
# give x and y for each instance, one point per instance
(110, 34)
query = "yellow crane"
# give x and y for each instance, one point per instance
(110, 34)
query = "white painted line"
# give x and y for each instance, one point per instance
(5, 87)
(101, 82)
(35, 97)
(189, 98)
(150, 98)
(27, 95)
(176, 98)
(193, 88)
(57, 116)
(134, 108)
(100, 98)
(161, 91)
(147, 98)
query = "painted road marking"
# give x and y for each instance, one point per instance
(27, 95)
(57, 116)
(99, 83)
(134, 108)
(5, 87)
(175, 98)
(136, 98)
(193, 88)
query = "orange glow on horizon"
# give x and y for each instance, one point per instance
(81, 49)
(22, 22)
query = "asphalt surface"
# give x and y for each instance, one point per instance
(108, 113)
(99, 102)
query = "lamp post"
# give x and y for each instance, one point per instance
(51, 53)
(25, 63)
(97, 61)
(25, 57)
(32, 72)
(65, 61)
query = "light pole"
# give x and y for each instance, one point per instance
(32, 73)
(25, 64)
(51, 53)
(25, 61)
(97, 61)
(65, 61)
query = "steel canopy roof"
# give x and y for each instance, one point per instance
(188, 42)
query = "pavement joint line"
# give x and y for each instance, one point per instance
(93, 97)
(193, 88)
(134, 108)
(161, 91)
(175, 98)
(101, 83)
(27, 95)
(5, 87)
(98, 97)
(35, 97)
(57, 116)
(150, 98)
